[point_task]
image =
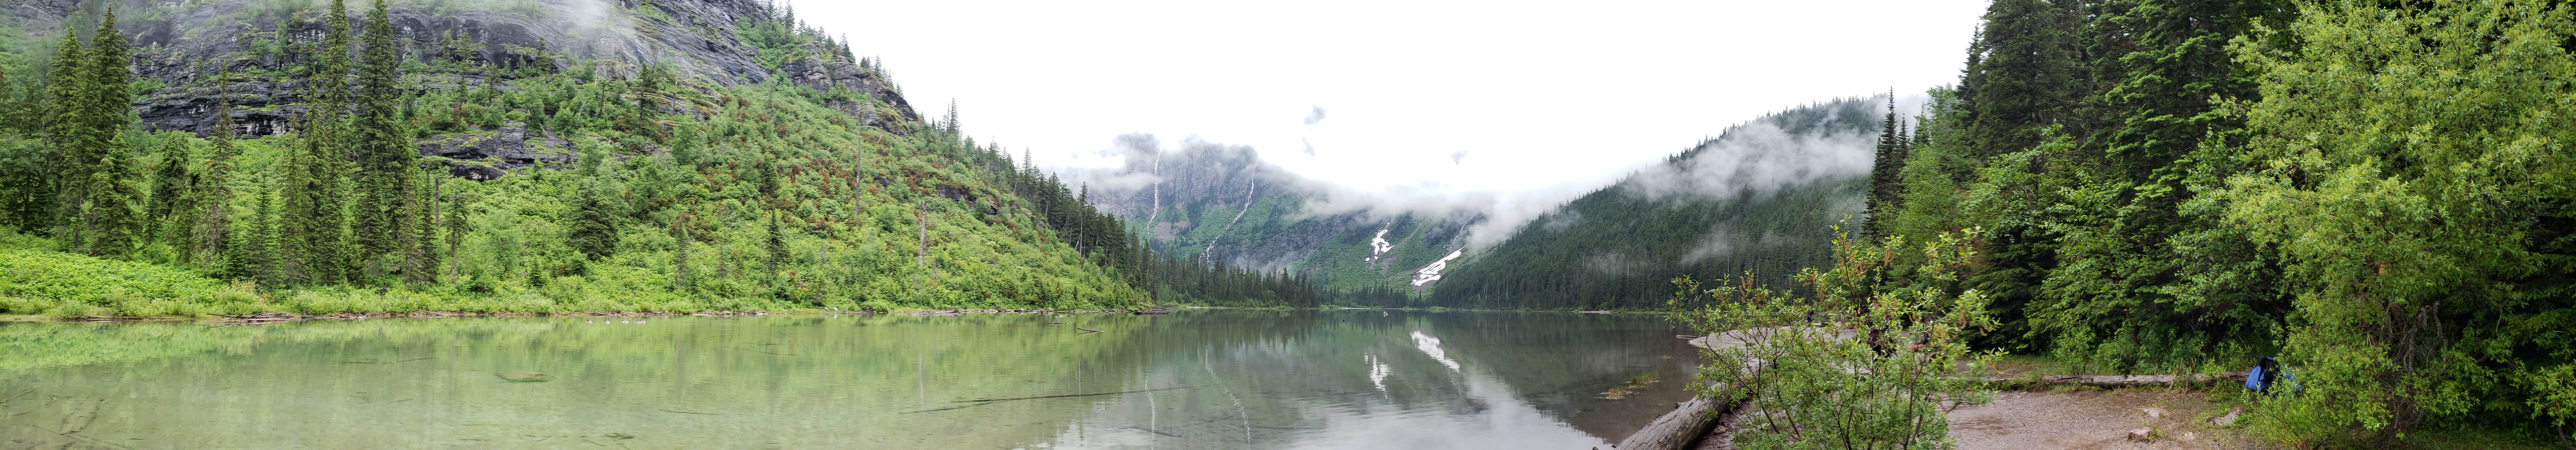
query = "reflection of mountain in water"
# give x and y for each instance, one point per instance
(1524, 380)
(1272, 378)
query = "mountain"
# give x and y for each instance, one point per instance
(524, 156)
(1224, 203)
(1761, 198)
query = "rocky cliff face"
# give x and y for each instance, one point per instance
(183, 45)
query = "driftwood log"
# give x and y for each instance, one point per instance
(2121, 381)
(1675, 430)
(1692, 420)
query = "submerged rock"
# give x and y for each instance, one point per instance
(523, 376)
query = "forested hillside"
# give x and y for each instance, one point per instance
(1224, 204)
(1762, 198)
(2379, 193)
(676, 155)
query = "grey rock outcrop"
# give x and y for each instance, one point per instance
(485, 155)
(182, 45)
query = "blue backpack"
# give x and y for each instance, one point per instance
(2266, 373)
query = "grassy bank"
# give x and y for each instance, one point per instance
(37, 281)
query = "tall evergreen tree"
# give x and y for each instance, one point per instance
(2022, 74)
(385, 159)
(26, 180)
(109, 218)
(212, 235)
(314, 225)
(593, 232)
(68, 137)
(1884, 174)
(2022, 80)
(173, 213)
(13, 118)
(419, 217)
(2181, 279)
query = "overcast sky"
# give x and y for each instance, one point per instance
(1498, 96)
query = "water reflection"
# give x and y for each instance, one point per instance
(1194, 379)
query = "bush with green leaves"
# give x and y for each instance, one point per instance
(1868, 363)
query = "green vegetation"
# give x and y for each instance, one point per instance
(2377, 193)
(1611, 248)
(679, 195)
(1864, 364)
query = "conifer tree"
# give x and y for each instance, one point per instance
(774, 243)
(109, 216)
(592, 232)
(314, 228)
(68, 135)
(261, 257)
(173, 206)
(385, 159)
(419, 217)
(2021, 83)
(2022, 74)
(1884, 188)
(681, 239)
(12, 119)
(27, 183)
(212, 234)
(454, 221)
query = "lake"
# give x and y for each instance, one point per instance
(1196, 379)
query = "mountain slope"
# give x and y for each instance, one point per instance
(674, 155)
(1761, 198)
(1225, 202)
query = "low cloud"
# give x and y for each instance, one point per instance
(1764, 155)
(1779, 150)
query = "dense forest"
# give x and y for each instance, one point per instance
(387, 172)
(2379, 193)
(1760, 199)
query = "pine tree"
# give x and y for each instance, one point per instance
(385, 159)
(314, 228)
(950, 124)
(592, 231)
(213, 231)
(265, 246)
(12, 113)
(454, 221)
(1884, 188)
(2022, 74)
(111, 216)
(774, 243)
(419, 217)
(27, 183)
(67, 133)
(2021, 84)
(680, 238)
(173, 211)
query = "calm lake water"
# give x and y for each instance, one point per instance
(1195, 379)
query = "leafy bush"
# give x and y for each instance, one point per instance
(68, 285)
(1871, 362)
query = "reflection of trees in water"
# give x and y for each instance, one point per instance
(835, 380)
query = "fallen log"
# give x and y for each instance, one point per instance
(2121, 381)
(1675, 430)
(1691, 421)
(1070, 395)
